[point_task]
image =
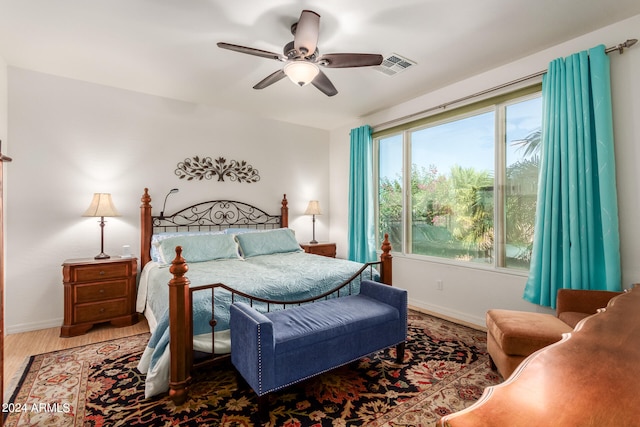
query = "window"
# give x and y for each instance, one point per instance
(437, 181)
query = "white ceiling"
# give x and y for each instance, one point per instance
(168, 47)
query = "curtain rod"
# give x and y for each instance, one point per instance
(620, 48)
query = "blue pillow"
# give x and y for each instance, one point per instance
(280, 240)
(156, 239)
(201, 247)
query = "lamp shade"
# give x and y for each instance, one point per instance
(313, 208)
(101, 205)
(301, 72)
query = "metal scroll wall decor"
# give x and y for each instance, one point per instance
(206, 168)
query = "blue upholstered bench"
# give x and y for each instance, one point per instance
(274, 350)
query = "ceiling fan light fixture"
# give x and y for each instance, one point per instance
(302, 59)
(301, 72)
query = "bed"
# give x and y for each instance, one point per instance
(235, 252)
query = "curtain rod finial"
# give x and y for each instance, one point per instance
(627, 44)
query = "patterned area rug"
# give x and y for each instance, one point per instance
(445, 369)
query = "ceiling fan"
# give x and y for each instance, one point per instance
(302, 58)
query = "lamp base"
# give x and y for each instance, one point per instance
(314, 242)
(102, 255)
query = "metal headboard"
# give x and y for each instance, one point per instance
(216, 215)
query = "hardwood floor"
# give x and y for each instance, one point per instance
(17, 347)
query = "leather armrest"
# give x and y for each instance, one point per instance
(582, 301)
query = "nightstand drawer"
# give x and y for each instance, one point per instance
(323, 249)
(101, 311)
(88, 273)
(101, 291)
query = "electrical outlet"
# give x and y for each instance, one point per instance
(439, 285)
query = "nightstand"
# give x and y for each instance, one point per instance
(97, 291)
(324, 249)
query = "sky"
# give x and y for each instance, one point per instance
(467, 142)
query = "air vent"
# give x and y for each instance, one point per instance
(393, 64)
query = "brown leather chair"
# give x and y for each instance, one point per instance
(513, 335)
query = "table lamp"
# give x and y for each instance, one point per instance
(313, 209)
(101, 206)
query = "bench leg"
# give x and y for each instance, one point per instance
(263, 408)
(400, 352)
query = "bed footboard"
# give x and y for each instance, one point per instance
(181, 316)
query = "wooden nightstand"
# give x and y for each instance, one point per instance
(324, 249)
(97, 291)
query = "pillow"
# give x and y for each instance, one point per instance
(157, 238)
(275, 241)
(199, 248)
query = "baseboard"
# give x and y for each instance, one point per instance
(28, 327)
(448, 314)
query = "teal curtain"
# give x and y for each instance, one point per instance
(576, 242)
(361, 226)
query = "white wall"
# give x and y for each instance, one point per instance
(467, 292)
(70, 139)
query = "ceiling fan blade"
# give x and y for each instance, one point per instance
(323, 83)
(252, 51)
(270, 79)
(306, 34)
(349, 60)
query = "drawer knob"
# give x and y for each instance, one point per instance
(102, 291)
(102, 310)
(102, 272)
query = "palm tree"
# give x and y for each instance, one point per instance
(530, 143)
(522, 178)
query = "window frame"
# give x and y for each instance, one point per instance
(498, 104)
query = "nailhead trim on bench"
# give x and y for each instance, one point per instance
(317, 373)
(259, 361)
